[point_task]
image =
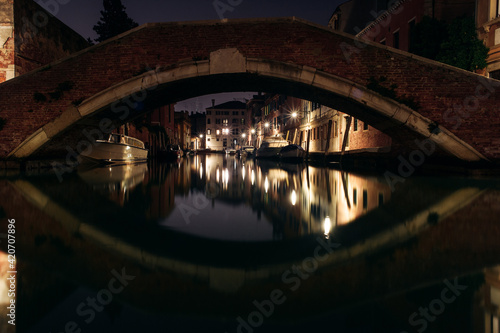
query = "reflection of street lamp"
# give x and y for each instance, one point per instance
(327, 226)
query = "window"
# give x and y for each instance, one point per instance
(395, 43)
(217, 113)
(226, 113)
(243, 121)
(242, 113)
(224, 121)
(365, 126)
(335, 129)
(355, 124)
(217, 120)
(235, 113)
(235, 131)
(209, 131)
(209, 112)
(218, 133)
(234, 121)
(208, 121)
(208, 139)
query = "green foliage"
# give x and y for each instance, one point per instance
(455, 44)
(114, 20)
(462, 48)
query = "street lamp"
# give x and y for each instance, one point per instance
(294, 114)
(252, 131)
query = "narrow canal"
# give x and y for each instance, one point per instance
(218, 243)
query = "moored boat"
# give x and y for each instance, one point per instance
(117, 148)
(292, 152)
(271, 147)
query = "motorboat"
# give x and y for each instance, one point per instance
(230, 151)
(116, 148)
(170, 153)
(247, 151)
(271, 147)
(292, 152)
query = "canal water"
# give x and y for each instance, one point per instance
(218, 243)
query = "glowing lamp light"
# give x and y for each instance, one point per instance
(252, 131)
(243, 135)
(266, 125)
(266, 184)
(201, 136)
(294, 198)
(294, 115)
(327, 226)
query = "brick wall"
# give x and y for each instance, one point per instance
(440, 91)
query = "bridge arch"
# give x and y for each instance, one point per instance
(229, 70)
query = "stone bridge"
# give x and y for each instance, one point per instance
(54, 110)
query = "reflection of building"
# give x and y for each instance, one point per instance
(226, 125)
(488, 24)
(31, 37)
(297, 199)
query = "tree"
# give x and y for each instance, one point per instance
(455, 44)
(462, 48)
(114, 20)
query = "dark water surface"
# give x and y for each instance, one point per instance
(215, 243)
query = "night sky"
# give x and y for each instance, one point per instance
(82, 15)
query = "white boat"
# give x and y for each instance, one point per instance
(271, 147)
(117, 148)
(292, 151)
(247, 151)
(230, 151)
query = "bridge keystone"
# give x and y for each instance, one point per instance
(227, 61)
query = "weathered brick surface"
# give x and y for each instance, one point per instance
(441, 91)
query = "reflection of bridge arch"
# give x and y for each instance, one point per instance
(228, 65)
(226, 275)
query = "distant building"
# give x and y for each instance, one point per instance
(488, 25)
(198, 129)
(156, 129)
(182, 134)
(31, 37)
(226, 125)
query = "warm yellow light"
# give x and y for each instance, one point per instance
(252, 131)
(294, 198)
(266, 184)
(266, 125)
(201, 135)
(294, 114)
(327, 226)
(253, 177)
(243, 135)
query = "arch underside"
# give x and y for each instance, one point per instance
(228, 71)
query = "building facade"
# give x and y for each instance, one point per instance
(392, 23)
(31, 37)
(182, 134)
(488, 25)
(227, 125)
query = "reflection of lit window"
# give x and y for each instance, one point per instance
(218, 132)
(266, 184)
(294, 198)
